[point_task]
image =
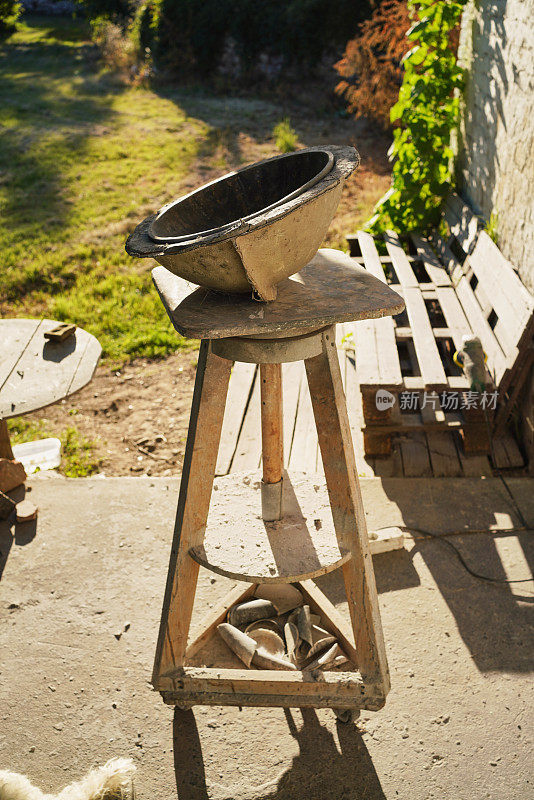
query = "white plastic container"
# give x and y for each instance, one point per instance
(39, 455)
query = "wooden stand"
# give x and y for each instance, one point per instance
(285, 543)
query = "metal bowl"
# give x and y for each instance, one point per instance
(251, 228)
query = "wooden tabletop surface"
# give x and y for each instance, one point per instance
(35, 372)
(330, 289)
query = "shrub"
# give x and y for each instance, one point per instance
(9, 14)
(119, 11)
(371, 66)
(116, 46)
(424, 117)
(187, 34)
(193, 33)
(143, 28)
(285, 137)
(310, 27)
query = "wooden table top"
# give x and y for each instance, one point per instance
(35, 372)
(331, 288)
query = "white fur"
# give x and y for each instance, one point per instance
(113, 780)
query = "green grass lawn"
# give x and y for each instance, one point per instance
(84, 156)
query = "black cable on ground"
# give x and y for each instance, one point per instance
(441, 536)
(463, 562)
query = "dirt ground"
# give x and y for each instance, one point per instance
(137, 416)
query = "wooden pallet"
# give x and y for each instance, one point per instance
(472, 289)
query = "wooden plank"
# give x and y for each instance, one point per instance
(402, 266)
(247, 455)
(413, 423)
(47, 371)
(292, 375)
(207, 412)
(454, 314)
(415, 457)
(331, 288)
(228, 681)
(366, 352)
(303, 450)
(380, 335)
(510, 299)
(326, 390)
(239, 391)
(505, 453)
(428, 356)
(436, 271)
(447, 258)
(510, 398)
(475, 466)
(215, 686)
(427, 352)
(370, 256)
(496, 363)
(328, 698)
(442, 449)
(16, 336)
(376, 353)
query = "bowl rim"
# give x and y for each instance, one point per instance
(140, 244)
(235, 223)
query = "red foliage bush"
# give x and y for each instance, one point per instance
(371, 66)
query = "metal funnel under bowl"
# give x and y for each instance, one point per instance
(251, 228)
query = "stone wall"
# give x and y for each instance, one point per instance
(496, 161)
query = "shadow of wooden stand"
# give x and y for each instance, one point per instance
(299, 325)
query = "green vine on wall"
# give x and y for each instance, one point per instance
(424, 117)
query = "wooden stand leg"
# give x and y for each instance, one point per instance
(272, 438)
(333, 430)
(5, 444)
(207, 411)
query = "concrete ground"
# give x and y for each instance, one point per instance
(80, 599)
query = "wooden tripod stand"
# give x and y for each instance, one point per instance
(278, 544)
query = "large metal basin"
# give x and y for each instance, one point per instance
(251, 228)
